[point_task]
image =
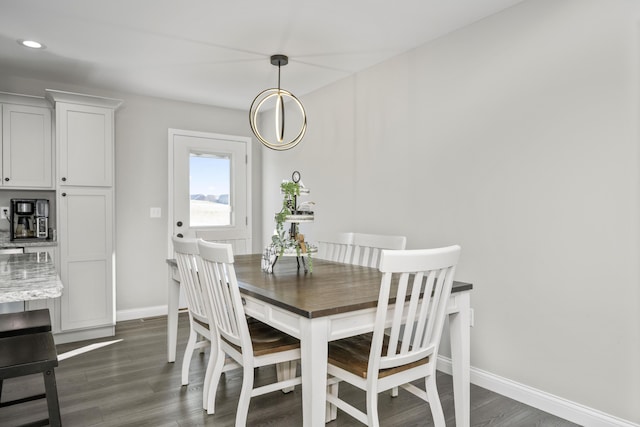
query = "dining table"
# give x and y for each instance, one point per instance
(329, 302)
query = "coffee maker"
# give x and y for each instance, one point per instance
(29, 219)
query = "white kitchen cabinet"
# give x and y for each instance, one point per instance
(85, 225)
(85, 136)
(27, 159)
(85, 206)
(53, 304)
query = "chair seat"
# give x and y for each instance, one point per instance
(25, 322)
(352, 355)
(25, 354)
(267, 340)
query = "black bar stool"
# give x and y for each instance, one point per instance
(25, 322)
(29, 354)
(27, 347)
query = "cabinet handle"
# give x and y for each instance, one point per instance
(64, 194)
(64, 179)
(179, 223)
(179, 235)
(6, 179)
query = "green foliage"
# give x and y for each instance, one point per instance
(290, 189)
(282, 240)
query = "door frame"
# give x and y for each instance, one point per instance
(170, 199)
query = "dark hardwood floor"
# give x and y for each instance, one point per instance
(130, 383)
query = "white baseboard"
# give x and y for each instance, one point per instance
(544, 401)
(84, 334)
(141, 313)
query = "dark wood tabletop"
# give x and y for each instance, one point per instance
(330, 289)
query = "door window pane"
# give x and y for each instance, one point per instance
(209, 190)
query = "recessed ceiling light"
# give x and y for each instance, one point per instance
(31, 44)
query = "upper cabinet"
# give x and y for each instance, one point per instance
(26, 142)
(85, 134)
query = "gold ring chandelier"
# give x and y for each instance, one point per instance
(279, 143)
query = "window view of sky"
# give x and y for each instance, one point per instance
(209, 174)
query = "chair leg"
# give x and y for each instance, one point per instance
(199, 339)
(218, 357)
(245, 396)
(286, 371)
(372, 408)
(331, 412)
(188, 354)
(293, 369)
(394, 392)
(434, 401)
(207, 377)
(52, 398)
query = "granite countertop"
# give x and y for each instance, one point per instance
(5, 242)
(30, 276)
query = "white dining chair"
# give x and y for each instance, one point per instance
(366, 252)
(202, 332)
(367, 247)
(376, 362)
(338, 247)
(250, 344)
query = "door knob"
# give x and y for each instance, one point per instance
(179, 223)
(179, 235)
(64, 179)
(64, 194)
(6, 179)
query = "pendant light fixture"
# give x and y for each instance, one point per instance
(280, 95)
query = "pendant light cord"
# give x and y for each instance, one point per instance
(278, 76)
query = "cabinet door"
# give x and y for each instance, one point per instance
(85, 138)
(85, 231)
(53, 304)
(26, 147)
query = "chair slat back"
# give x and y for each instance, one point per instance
(368, 247)
(221, 284)
(338, 248)
(416, 326)
(186, 257)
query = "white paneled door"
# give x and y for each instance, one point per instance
(209, 197)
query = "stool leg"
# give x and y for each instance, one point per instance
(52, 397)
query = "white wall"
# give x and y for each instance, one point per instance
(141, 180)
(142, 125)
(516, 137)
(324, 158)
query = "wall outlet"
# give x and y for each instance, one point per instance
(4, 212)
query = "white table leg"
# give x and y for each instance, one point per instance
(459, 329)
(314, 335)
(172, 315)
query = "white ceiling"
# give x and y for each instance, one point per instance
(217, 52)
